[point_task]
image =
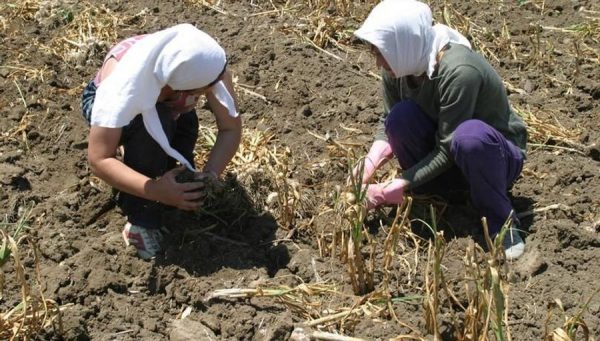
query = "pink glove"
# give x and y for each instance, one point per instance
(390, 192)
(380, 152)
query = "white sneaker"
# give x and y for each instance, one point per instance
(514, 246)
(146, 241)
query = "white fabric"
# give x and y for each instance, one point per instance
(402, 31)
(224, 97)
(182, 57)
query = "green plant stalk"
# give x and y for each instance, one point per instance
(5, 250)
(438, 253)
(498, 297)
(356, 220)
(432, 301)
(576, 320)
(391, 241)
(493, 277)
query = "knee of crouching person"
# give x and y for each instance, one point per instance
(466, 138)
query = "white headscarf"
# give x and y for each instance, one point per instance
(402, 31)
(182, 57)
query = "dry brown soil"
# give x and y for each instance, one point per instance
(110, 294)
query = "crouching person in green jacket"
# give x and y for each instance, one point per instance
(448, 116)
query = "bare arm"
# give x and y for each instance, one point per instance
(229, 131)
(102, 146)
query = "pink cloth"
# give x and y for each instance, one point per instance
(117, 52)
(390, 193)
(380, 152)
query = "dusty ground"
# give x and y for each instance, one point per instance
(109, 294)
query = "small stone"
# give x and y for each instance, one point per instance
(531, 264)
(151, 324)
(211, 322)
(11, 156)
(305, 111)
(593, 151)
(188, 330)
(9, 173)
(4, 72)
(528, 86)
(299, 334)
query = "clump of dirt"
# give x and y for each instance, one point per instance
(226, 198)
(212, 188)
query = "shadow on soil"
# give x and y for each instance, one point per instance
(229, 234)
(456, 218)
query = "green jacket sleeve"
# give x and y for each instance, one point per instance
(392, 94)
(458, 91)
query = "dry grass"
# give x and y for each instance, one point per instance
(265, 171)
(24, 9)
(300, 299)
(496, 46)
(334, 30)
(18, 71)
(485, 284)
(351, 207)
(487, 288)
(542, 131)
(84, 31)
(400, 228)
(320, 304)
(326, 24)
(34, 312)
(348, 236)
(435, 280)
(214, 5)
(573, 327)
(587, 33)
(88, 32)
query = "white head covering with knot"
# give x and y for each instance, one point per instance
(182, 57)
(402, 31)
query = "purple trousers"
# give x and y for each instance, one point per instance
(485, 161)
(145, 155)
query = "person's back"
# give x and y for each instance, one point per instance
(487, 102)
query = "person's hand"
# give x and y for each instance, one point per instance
(367, 171)
(386, 193)
(210, 180)
(183, 195)
(206, 174)
(379, 153)
(374, 196)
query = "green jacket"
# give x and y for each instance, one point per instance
(464, 86)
